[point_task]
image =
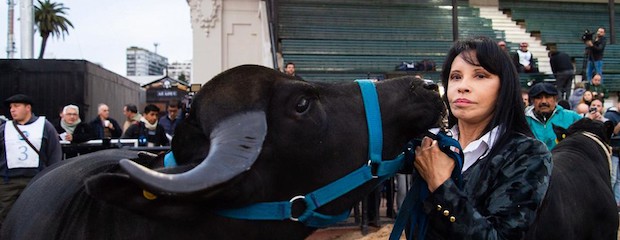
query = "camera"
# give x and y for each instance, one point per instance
(186, 103)
(593, 109)
(587, 35)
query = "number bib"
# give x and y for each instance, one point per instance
(18, 153)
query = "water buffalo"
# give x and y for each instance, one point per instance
(579, 203)
(253, 135)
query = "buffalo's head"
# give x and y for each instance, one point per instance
(603, 130)
(256, 135)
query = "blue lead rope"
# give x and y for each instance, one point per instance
(411, 214)
(169, 160)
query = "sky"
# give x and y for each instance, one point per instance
(103, 30)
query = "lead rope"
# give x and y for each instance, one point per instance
(603, 145)
(411, 213)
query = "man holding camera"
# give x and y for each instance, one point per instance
(546, 112)
(595, 46)
(596, 111)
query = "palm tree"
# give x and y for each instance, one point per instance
(48, 17)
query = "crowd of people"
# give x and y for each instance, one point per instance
(480, 81)
(496, 122)
(149, 128)
(31, 143)
(587, 100)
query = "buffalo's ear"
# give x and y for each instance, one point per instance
(602, 130)
(608, 130)
(189, 144)
(118, 190)
(560, 133)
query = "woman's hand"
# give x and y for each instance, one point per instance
(432, 164)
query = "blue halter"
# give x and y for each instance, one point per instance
(282, 210)
(411, 213)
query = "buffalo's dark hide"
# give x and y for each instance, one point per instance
(579, 204)
(253, 135)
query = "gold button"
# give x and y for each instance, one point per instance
(438, 207)
(446, 213)
(452, 219)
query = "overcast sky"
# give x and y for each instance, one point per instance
(103, 30)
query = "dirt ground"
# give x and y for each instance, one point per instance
(353, 233)
(352, 230)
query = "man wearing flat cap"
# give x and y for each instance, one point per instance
(29, 144)
(545, 112)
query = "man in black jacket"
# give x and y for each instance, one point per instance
(104, 126)
(70, 128)
(290, 70)
(595, 49)
(563, 71)
(147, 131)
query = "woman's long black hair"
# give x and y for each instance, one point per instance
(509, 111)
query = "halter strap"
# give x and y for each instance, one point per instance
(383, 170)
(169, 160)
(373, 119)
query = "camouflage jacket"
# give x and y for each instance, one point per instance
(500, 196)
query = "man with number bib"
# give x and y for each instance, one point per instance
(28, 145)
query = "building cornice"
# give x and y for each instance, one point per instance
(204, 14)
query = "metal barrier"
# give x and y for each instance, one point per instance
(70, 150)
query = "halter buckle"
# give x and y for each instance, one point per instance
(299, 197)
(373, 169)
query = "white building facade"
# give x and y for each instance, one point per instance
(142, 62)
(181, 71)
(226, 34)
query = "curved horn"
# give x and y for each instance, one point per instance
(236, 143)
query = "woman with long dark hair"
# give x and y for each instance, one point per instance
(505, 169)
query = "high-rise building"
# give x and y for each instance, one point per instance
(180, 71)
(142, 62)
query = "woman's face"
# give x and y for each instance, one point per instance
(587, 95)
(472, 91)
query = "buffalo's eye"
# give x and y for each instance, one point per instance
(302, 105)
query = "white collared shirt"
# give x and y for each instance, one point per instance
(525, 58)
(477, 149)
